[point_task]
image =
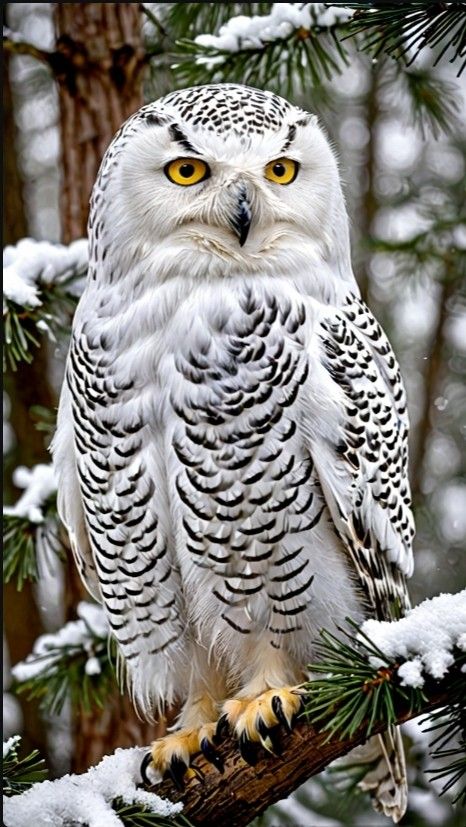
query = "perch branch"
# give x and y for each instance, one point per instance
(243, 792)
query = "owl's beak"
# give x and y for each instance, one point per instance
(241, 219)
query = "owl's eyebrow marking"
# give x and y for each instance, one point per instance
(180, 138)
(290, 137)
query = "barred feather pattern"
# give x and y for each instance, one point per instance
(231, 446)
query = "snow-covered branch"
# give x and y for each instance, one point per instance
(41, 283)
(244, 792)
(434, 633)
(31, 528)
(285, 19)
(93, 798)
(72, 662)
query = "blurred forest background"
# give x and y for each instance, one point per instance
(73, 73)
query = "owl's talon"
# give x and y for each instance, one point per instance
(176, 771)
(277, 708)
(269, 738)
(145, 763)
(212, 755)
(248, 750)
(223, 727)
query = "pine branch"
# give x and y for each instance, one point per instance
(402, 30)
(244, 792)
(135, 815)
(75, 664)
(23, 538)
(289, 58)
(19, 774)
(42, 283)
(358, 694)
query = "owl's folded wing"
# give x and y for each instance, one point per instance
(69, 500)
(357, 427)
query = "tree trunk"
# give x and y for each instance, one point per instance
(97, 64)
(22, 622)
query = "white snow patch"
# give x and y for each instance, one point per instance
(254, 32)
(87, 798)
(85, 633)
(39, 484)
(30, 264)
(425, 638)
(11, 744)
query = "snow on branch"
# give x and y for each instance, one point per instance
(39, 484)
(425, 640)
(357, 692)
(31, 528)
(296, 43)
(243, 32)
(73, 662)
(93, 798)
(41, 283)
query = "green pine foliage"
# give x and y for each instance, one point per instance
(353, 696)
(19, 774)
(61, 674)
(22, 539)
(134, 815)
(24, 327)
(402, 30)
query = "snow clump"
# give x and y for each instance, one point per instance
(39, 484)
(243, 32)
(84, 634)
(86, 799)
(30, 264)
(425, 638)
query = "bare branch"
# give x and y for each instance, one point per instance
(22, 47)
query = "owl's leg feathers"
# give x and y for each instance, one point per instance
(255, 721)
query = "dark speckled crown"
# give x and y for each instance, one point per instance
(225, 107)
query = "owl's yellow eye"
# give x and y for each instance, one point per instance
(187, 171)
(282, 171)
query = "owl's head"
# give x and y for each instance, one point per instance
(238, 178)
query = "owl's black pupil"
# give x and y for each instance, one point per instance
(279, 170)
(186, 170)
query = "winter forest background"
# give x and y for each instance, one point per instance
(397, 123)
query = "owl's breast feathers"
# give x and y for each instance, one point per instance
(261, 442)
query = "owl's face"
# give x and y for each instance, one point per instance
(233, 174)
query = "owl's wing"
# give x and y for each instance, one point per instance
(121, 530)
(357, 425)
(69, 500)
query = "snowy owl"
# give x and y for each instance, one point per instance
(232, 433)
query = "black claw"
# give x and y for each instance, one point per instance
(248, 750)
(272, 734)
(145, 763)
(212, 755)
(223, 727)
(277, 707)
(176, 771)
(262, 727)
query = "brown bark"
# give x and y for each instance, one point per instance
(97, 64)
(369, 170)
(242, 793)
(432, 380)
(115, 726)
(22, 622)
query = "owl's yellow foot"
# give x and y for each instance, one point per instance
(172, 755)
(255, 721)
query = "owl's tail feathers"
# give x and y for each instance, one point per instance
(386, 779)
